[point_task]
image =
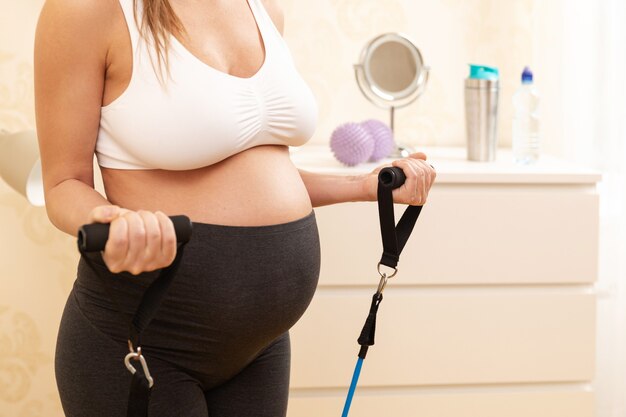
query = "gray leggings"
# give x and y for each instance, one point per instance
(219, 343)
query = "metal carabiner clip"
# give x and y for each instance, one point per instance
(382, 283)
(137, 356)
(395, 271)
(384, 278)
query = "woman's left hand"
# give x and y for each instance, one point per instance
(420, 176)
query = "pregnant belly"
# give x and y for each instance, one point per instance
(259, 186)
(237, 289)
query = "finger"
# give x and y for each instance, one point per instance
(136, 243)
(103, 214)
(422, 180)
(117, 245)
(168, 237)
(424, 183)
(152, 251)
(431, 174)
(418, 155)
(409, 188)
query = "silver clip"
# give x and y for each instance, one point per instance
(395, 271)
(137, 356)
(382, 284)
(383, 278)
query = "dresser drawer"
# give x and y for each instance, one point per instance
(481, 234)
(427, 337)
(569, 403)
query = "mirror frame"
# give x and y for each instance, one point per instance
(370, 89)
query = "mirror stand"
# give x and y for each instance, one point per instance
(401, 150)
(391, 74)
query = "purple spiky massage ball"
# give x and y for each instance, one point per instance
(351, 144)
(383, 139)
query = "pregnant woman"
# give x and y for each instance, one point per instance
(189, 106)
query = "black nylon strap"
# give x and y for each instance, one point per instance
(139, 395)
(394, 237)
(152, 298)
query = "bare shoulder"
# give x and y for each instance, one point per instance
(88, 20)
(93, 9)
(276, 13)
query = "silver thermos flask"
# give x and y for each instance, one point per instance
(481, 112)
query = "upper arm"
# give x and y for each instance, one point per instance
(71, 44)
(276, 14)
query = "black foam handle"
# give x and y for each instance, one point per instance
(93, 237)
(391, 177)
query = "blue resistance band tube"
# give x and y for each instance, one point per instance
(394, 238)
(355, 380)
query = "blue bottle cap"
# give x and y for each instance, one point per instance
(483, 72)
(527, 76)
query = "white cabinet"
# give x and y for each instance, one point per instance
(492, 312)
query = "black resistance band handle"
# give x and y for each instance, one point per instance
(394, 236)
(391, 177)
(93, 237)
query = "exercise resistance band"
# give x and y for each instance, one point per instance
(394, 238)
(93, 237)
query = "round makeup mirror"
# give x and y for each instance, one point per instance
(391, 74)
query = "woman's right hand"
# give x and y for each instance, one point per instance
(139, 241)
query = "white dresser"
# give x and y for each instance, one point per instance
(492, 313)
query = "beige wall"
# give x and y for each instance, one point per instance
(38, 262)
(327, 40)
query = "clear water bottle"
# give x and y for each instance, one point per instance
(526, 121)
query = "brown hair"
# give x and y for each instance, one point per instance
(159, 21)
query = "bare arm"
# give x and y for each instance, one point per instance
(70, 63)
(325, 189)
(71, 50)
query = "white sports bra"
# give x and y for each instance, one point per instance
(203, 115)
